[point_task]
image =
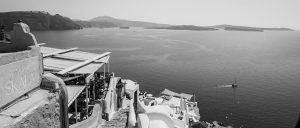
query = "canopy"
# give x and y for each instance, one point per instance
(73, 92)
(57, 60)
(171, 93)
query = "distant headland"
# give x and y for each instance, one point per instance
(40, 20)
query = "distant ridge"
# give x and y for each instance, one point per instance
(128, 23)
(108, 22)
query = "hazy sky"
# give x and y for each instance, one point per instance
(260, 13)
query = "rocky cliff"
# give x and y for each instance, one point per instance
(38, 20)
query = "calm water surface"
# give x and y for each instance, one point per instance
(265, 64)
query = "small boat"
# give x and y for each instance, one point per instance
(228, 86)
(233, 85)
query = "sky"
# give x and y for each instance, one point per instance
(256, 13)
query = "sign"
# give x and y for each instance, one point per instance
(19, 77)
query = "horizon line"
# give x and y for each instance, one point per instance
(147, 21)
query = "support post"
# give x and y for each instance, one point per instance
(104, 74)
(76, 113)
(108, 66)
(94, 94)
(87, 103)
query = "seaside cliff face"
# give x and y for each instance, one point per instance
(38, 20)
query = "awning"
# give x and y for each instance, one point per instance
(61, 64)
(57, 60)
(73, 92)
(171, 93)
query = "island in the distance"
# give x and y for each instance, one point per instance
(221, 27)
(246, 28)
(185, 27)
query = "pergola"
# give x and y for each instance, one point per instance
(64, 62)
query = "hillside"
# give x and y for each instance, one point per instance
(38, 20)
(103, 20)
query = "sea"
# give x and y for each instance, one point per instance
(266, 66)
